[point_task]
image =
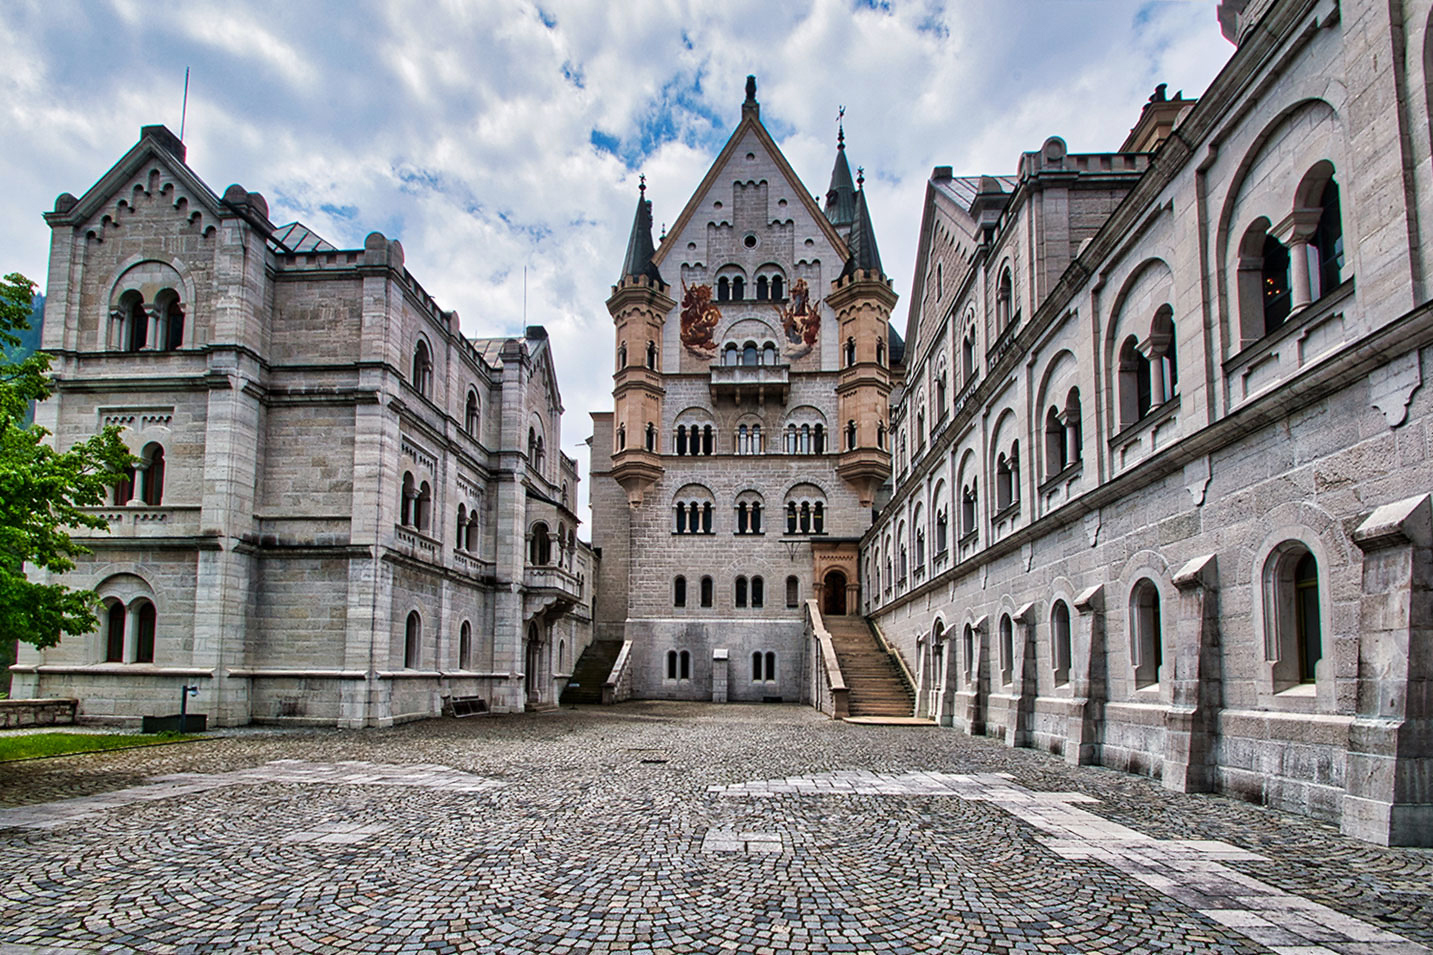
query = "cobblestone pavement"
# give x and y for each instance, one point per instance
(668, 827)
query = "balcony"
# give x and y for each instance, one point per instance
(760, 383)
(550, 588)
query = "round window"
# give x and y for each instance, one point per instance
(750, 241)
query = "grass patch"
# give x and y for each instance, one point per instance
(63, 744)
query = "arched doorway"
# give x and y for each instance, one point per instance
(833, 594)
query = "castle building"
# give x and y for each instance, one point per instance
(1161, 491)
(732, 480)
(346, 512)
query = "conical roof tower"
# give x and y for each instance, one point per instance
(841, 196)
(640, 248)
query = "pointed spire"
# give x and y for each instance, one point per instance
(862, 243)
(639, 246)
(841, 196)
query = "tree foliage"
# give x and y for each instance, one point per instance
(44, 491)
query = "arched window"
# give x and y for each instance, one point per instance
(1004, 298)
(967, 640)
(1007, 648)
(423, 507)
(818, 439)
(1293, 615)
(967, 509)
(937, 655)
(540, 545)
(758, 592)
(679, 591)
(1135, 382)
(793, 591)
(1060, 641)
(778, 288)
(850, 352)
(422, 369)
(881, 353)
(405, 500)
(1276, 287)
(114, 622)
(731, 355)
(462, 526)
(723, 289)
(465, 646)
(151, 475)
(768, 354)
(706, 591)
(738, 288)
(818, 517)
(748, 353)
(621, 437)
(470, 415)
(145, 622)
(470, 534)
(1326, 248)
(762, 288)
(967, 356)
(1056, 448)
(685, 665)
(707, 440)
(942, 533)
(1146, 633)
(171, 320)
(412, 640)
(651, 436)
(739, 597)
(621, 356)
(652, 355)
(124, 487)
(1164, 365)
(134, 322)
(671, 664)
(758, 666)
(679, 441)
(1006, 480)
(851, 435)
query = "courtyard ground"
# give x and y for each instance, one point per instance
(656, 827)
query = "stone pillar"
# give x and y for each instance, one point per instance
(1389, 790)
(1087, 679)
(924, 691)
(1024, 677)
(1191, 722)
(977, 683)
(720, 663)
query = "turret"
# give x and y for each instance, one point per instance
(638, 305)
(841, 196)
(862, 299)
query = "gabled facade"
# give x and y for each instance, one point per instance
(748, 436)
(1161, 497)
(346, 512)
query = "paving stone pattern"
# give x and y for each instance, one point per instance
(668, 827)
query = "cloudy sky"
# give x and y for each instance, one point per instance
(495, 137)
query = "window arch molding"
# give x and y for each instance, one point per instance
(1263, 184)
(149, 277)
(130, 592)
(1299, 526)
(1137, 320)
(422, 372)
(1148, 629)
(1060, 443)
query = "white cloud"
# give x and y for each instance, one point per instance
(467, 129)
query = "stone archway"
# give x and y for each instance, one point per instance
(833, 594)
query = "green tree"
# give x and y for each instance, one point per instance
(43, 491)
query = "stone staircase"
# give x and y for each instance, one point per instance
(592, 670)
(876, 684)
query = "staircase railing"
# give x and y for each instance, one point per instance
(618, 686)
(829, 693)
(895, 654)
